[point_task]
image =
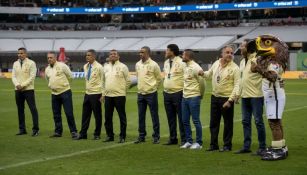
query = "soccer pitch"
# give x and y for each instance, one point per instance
(44, 155)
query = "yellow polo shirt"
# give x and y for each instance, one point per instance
(173, 79)
(251, 83)
(225, 81)
(94, 85)
(193, 84)
(117, 80)
(149, 76)
(25, 75)
(58, 77)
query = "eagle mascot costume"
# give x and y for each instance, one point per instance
(272, 60)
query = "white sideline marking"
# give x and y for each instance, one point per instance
(101, 148)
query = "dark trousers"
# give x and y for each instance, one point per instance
(120, 105)
(152, 101)
(172, 104)
(64, 99)
(217, 111)
(91, 103)
(253, 106)
(21, 97)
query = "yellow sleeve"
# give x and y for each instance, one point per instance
(127, 77)
(236, 87)
(102, 76)
(158, 75)
(67, 72)
(14, 79)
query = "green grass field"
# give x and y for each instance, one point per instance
(44, 155)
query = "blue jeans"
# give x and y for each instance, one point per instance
(253, 106)
(191, 106)
(64, 99)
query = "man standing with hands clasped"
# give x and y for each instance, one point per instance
(58, 75)
(23, 76)
(225, 76)
(117, 82)
(149, 78)
(173, 87)
(94, 80)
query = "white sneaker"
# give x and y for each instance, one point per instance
(196, 146)
(186, 145)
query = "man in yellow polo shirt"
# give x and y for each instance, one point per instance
(58, 75)
(252, 102)
(94, 79)
(149, 78)
(173, 87)
(23, 76)
(193, 90)
(225, 76)
(117, 82)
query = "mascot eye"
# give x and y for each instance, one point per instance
(268, 42)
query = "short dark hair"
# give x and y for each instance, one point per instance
(22, 48)
(92, 51)
(174, 48)
(53, 52)
(147, 49)
(190, 53)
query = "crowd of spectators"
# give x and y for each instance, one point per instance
(112, 3)
(148, 26)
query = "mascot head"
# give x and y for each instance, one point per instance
(269, 49)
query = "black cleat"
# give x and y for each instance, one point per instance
(21, 133)
(55, 135)
(121, 140)
(109, 139)
(243, 151)
(35, 133)
(139, 140)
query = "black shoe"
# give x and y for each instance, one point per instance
(21, 133)
(80, 137)
(171, 142)
(74, 136)
(121, 140)
(56, 135)
(96, 138)
(225, 149)
(243, 151)
(139, 140)
(260, 152)
(34, 133)
(156, 141)
(109, 139)
(212, 148)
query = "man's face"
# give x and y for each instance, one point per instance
(243, 48)
(22, 54)
(90, 57)
(51, 58)
(113, 56)
(169, 53)
(143, 54)
(227, 54)
(185, 57)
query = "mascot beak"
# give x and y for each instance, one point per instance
(263, 51)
